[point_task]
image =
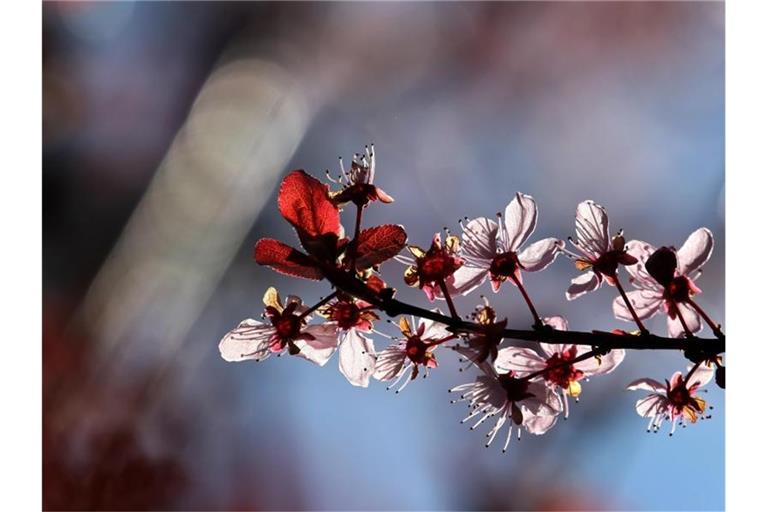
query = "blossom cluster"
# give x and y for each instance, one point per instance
(519, 387)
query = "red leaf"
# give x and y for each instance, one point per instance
(378, 244)
(285, 259)
(304, 202)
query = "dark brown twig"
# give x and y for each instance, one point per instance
(605, 340)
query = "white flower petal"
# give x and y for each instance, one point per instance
(537, 424)
(557, 322)
(647, 385)
(357, 358)
(389, 362)
(320, 349)
(551, 398)
(540, 411)
(651, 405)
(690, 316)
(465, 280)
(602, 366)
(249, 340)
(489, 391)
(646, 303)
(433, 330)
(539, 255)
(638, 276)
(702, 375)
(587, 282)
(695, 252)
(519, 360)
(478, 240)
(592, 228)
(519, 220)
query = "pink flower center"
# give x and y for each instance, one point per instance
(559, 369)
(683, 402)
(416, 350)
(679, 396)
(679, 289)
(435, 266)
(288, 327)
(504, 264)
(347, 314)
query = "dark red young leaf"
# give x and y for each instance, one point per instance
(304, 202)
(661, 265)
(378, 244)
(285, 259)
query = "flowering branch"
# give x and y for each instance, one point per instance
(523, 388)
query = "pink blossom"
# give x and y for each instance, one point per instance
(674, 401)
(357, 354)
(669, 282)
(427, 269)
(287, 329)
(416, 348)
(528, 405)
(488, 251)
(553, 367)
(598, 255)
(357, 183)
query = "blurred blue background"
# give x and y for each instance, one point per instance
(167, 128)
